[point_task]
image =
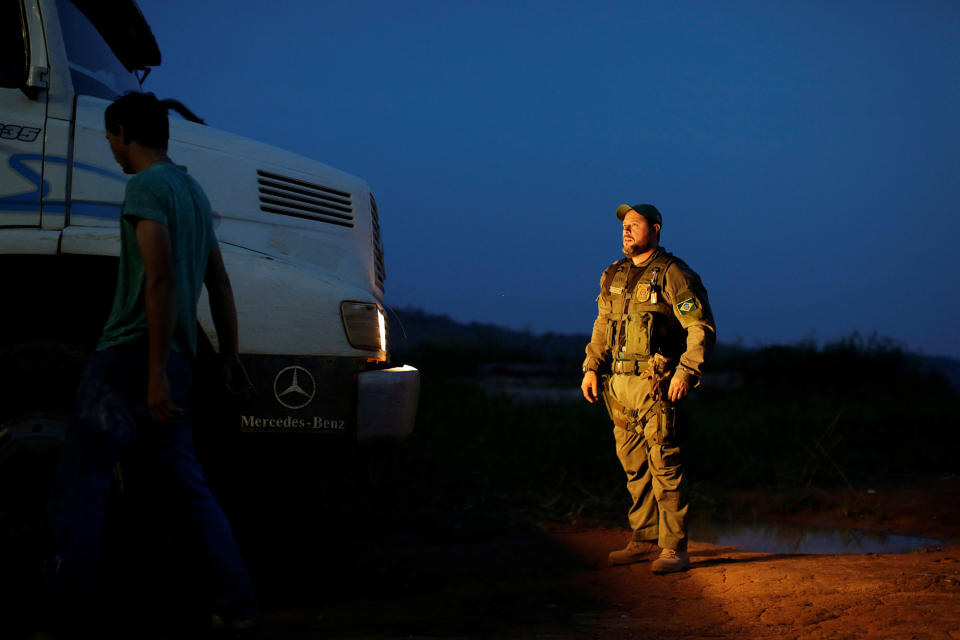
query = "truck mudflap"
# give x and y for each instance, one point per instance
(387, 403)
(328, 396)
(301, 395)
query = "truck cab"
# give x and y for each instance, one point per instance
(301, 241)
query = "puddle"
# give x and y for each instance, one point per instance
(791, 538)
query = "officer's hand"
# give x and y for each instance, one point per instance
(678, 389)
(589, 386)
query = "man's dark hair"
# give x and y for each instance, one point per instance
(144, 118)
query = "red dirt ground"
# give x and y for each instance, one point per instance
(471, 576)
(556, 583)
(750, 595)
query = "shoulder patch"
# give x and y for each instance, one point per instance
(687, 306)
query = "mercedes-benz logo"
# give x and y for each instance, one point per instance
(294, 387)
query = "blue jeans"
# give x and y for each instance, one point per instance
(111, 416)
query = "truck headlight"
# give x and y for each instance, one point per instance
(365, 325)
(383, 330)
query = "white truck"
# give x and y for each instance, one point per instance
(301, 242)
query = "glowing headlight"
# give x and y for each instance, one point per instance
(365, 325)
(383, 330)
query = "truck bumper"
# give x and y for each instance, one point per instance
(387, 403)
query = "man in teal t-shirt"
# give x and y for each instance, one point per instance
(166, 194)
(135, 388)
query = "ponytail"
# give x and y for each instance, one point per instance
(177, 106)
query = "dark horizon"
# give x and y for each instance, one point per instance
(436, 322)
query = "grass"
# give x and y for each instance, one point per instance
(488, 454)
(805, 417)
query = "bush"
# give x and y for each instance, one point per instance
(805, 416)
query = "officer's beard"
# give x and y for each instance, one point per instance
(651, 242)
(636, 249)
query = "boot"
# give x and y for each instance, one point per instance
(635, 551)
(671, 561)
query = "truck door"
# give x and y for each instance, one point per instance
(23, 111)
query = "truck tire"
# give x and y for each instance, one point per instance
(38, 383)
(37, 386)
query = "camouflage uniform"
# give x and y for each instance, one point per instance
(655, 321)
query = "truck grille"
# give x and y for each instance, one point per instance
(300, 199)
(381, 270)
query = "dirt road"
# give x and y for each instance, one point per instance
(749, 595)
(474, 576)
(554, 582)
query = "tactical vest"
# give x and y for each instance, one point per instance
(641, 322)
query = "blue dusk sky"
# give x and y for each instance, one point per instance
(805, 155)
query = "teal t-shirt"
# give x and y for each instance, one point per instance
(167, 194)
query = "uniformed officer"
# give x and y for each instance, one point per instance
(655, 323)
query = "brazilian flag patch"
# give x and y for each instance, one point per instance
(687, 306)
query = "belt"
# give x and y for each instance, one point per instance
(630, 367)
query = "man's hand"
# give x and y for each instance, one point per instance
(589, 386)
(159, 402)
(236, 380)
(678, 389)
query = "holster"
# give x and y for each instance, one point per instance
(622, 417)
(659, 372)
(667, 431)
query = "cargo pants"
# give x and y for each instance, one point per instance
(651, 459)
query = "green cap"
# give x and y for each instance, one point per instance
(648, 211)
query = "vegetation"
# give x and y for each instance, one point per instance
(789, 417)
(850, 411)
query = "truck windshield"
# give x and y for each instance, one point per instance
(94, 68)
(13, 57)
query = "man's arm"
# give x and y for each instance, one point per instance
(596, 350)
(691, 307)
(153, 240)
(224, 312)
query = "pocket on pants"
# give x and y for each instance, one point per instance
(662, 428)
